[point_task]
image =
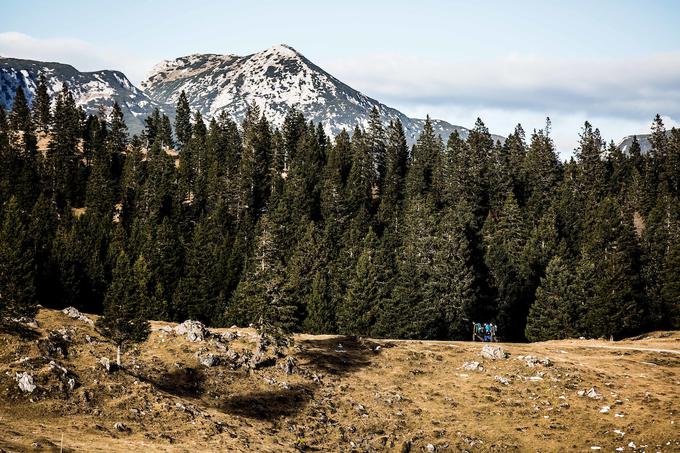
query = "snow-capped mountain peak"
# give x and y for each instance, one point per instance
(276, 80)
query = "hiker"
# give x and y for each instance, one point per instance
(487, 331)
(494, 330)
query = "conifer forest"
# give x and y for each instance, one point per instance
(357, 234)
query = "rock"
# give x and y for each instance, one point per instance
(532, 361)
(229, 336)
(25, 381)
(502, 380)
(193, 330)
(109, 366)
(118, 426)
(604, 409)
(73, 313)
(429, 447)
(71, 384)
(472, 366)
(493, 352)
(289, 366)
(54, 366)
(29, 322)
(593, 393)
(209, 360)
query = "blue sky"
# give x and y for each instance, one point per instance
(616, 63)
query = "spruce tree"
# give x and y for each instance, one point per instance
(42, 107)
(554, 314)
(183, 128)
(122, 321)
(17, 267)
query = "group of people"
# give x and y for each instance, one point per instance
(484, 332)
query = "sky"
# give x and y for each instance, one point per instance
(613, 63)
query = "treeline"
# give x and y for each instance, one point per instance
(360, 234)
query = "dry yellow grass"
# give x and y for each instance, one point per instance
(346, 395)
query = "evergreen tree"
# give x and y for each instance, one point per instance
(183, 128)
(42, 107)
(554, 314)
(17, 267)
(615, 308)
(367, 288)
(505, 237)
(122, 321)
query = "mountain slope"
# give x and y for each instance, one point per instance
(275, 80)
(91, 90)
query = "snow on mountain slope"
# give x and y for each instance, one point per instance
(275, 80)
(91, 90)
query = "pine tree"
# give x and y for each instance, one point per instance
(367, 288)
(17, 267)
(554, 314)
(42, 107)
(260, 295)
(505, 237)
(20, 116)
(615, 308)
(183, 128)
(122, 321)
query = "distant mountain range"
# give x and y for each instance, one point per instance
(91, 90)
(275, 80)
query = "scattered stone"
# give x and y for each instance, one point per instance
(25, 381)
(592, 393)
(192, 330)
(209, 360)
(29, 322)
(472, 366)
(289, 366)
(493, 352)
(54, 366)
(429, 447)
(109, 366)
(532, 361)
(604, 409)
(502, 380)
(73, 313)
(118, 426)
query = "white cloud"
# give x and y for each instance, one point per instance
(80, 54)
(620, 96)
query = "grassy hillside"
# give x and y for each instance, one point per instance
(341, 394)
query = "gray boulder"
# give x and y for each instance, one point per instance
(493, 352)
(73, 313)
(25, 382)
(192, 330)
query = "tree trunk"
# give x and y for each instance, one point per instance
(118, 356)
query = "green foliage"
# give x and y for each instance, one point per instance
(290, 229)
(122, 321)
(17, 266)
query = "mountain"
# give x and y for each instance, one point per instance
(643, 140)
(91, 90)
(275, 80)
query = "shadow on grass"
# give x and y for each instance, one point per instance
(21, 330)
(337, 355)
(268, 404)
(184, 382)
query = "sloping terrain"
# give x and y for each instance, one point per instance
(328, 393)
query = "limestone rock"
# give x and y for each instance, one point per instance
(493, 352)
(193, 330)
(25, 381)
(73, 313)
(472, 366)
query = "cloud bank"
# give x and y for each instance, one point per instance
(620, 96)
(80, 54)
